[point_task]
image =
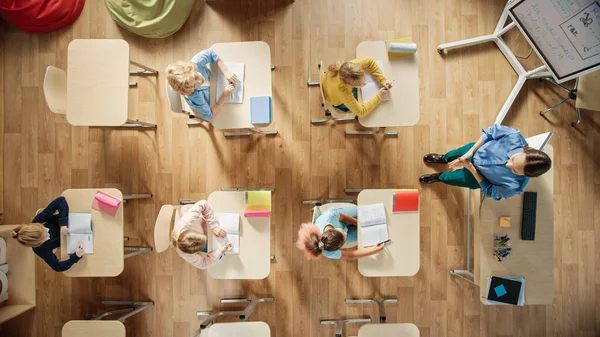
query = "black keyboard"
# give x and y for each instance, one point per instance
(528, 221)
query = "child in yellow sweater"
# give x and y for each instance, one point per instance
(341, 81)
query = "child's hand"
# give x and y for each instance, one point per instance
(383, 91)
(227, 248)
(231, 77)
(219, 232)
(228, 90)
(388, 85)
(79, 251)
(64, 230)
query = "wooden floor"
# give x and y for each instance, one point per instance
(459, 93)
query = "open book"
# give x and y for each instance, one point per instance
(80, 232)
(372, 87)
(373, 224)
(237, 96)
(230, 223)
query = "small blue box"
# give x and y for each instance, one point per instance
(500, 290)
(260, 110)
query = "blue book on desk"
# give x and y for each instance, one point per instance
(260, 110)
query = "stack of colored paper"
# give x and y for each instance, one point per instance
(405, 201)
(106, 203)
(258, 204)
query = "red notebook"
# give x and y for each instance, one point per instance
(405, 201)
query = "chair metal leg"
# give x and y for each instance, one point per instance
(243, 189)
(574, 124)
(242, 315)
(380, 130)
(135, 307)
(136, 251)
(136, 123)
(339, 325)
(146, 70)
(554, 107)
(380, 305)
(327, 201)
(250, 132)
(137, 196)
(352, 190)
(186, 201)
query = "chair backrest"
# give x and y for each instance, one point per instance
(174, 99)
(162, 228)
(318, 210)
(55, 89)
(538, 142)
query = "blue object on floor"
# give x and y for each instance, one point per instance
(500, 290)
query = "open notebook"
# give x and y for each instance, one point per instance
(230, 223)
(372, 87)
(80, 231)
(373, 224)
(237, 96)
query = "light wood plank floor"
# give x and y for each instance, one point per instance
(460, 93)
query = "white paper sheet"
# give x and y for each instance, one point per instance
(372, 87)
(80, 231)
(230, 223)
(373, 224)
(237, 96)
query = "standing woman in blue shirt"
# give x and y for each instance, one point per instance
(43, 234)
(192, 80)
(500, 163)
(331, 230)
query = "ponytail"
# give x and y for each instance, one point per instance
(349, 72)
(32, 235)
(313, 243)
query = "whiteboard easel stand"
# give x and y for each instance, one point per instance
(496, 37)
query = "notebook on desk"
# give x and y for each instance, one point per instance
(261, 112)
(373, 224)
(80, 232)
(405, 201)
(371, 89)
(258, 204)
(506, 290)
(230, 223)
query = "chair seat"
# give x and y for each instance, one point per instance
(37, 16)
(150, 18)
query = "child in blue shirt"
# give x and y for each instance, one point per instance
(331, 230)
(192, 80)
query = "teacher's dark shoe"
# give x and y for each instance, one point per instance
(429, 178)
(434, 158)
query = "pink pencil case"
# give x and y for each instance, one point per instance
(257, 214)
(106, 203)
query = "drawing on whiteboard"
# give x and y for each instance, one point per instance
(583, 31)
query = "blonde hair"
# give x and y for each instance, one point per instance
(347, 71)
(189, 241)
(31, 235)
(181, 76)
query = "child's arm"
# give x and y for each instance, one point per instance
(361, 252)
(348, 219)
(229, 75)
(218, 107)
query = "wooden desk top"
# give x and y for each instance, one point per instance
(93, 329)
(401, 257)
(403, 106)
(256, 56)
(241, 329)
(389, 330)
(107, 259)
(532, 259)
(254, 260)
(97, 82)
(587, 92)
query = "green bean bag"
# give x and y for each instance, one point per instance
(150, 18)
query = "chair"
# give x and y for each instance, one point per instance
(326, 107)
(339, 324)
(164, 224)
(590, 101)
(55, 89)
(175, 102)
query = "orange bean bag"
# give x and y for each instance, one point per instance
(37, 16)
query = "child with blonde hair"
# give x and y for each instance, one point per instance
(341, 81)
(192, 80)
(43, 235)
(189, 238)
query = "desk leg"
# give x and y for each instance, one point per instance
(461, 273)
(137, 196)
(148, 71)
(242, 315)
(134, 308)
(380, 130)
(250, 132)
(134, 123)
(380, 305)
(352, 190)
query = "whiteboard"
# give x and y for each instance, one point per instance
(564, 33)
